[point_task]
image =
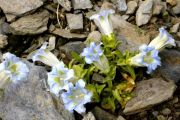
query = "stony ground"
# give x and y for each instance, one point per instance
(26, 24)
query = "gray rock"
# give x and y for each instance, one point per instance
(66, 4)
(176, 9)
(31, 24)
(166, 111)
(175, 28)
(75, 22)
(132, 5)
(144, 12)
(67, 49)
(81, 4)
(67, 34)
(157, 7)
(97, 78)
(29, 101)
(120, 118)
(3, 40)
(130, 35)
(100, 114)
(107, 5)
(4, 26)
(125, 17)
(94, 36)
(121, 5)
(170, 68)
(13, 8)
(149, 93)
(89, 116)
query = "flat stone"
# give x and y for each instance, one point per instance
(121, 5)
(13, 8)
(75, 22)
(130, 36)
(30, 101)
(94, 36)
(31, 24)
(81, 4)
(89, 116)
(67, 34)
(3, 40)
(170, 68)
(100, 114)
(176, 9)
(175, 28)
(144, 12)
(131, 5)
(66, 4)
(149, 93)
(67, 49)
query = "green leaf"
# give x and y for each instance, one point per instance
(108, 103)
(77, 57)
(130, 70)
(92, 88)
(79, 70)
(90, 72)
(99, 88)
(117, 95)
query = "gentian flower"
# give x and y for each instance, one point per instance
(59, 77)
(44, 55)
(92, 53)
(148, 57)
(12, 69)
(102, 20)
(164, 39)
(76, 97)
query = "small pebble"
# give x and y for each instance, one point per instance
(155, 113)
(161, 117)
(175, 28)
(178, 34)
(175, 99)
(143, 114)
(166, 111)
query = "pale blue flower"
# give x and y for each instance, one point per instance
(92, 53)
(44, 55)
(164, 39)
(76, 97)
(59, 77)
(102, 20)
(12, 68)
(148, 57)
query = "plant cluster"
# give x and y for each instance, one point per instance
(73, 82)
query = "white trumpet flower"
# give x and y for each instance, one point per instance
(102, 20)
(44, 55)
(164, 39)
(59, 77)
(12, 69)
